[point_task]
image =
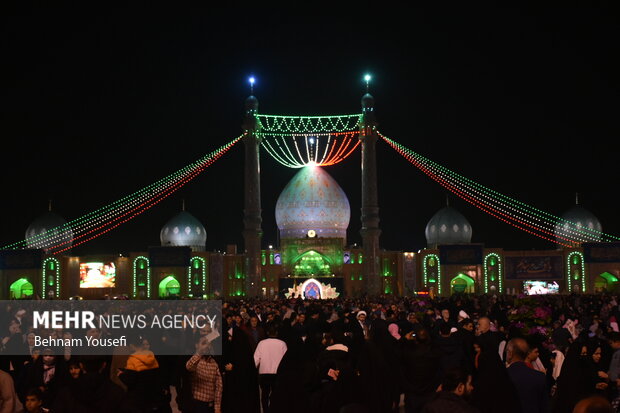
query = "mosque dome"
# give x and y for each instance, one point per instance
(368, 101)
(48, 224)
(313, 200)
(447, 226)
(583, 220)
(184, 230)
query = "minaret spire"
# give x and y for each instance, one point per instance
(252, 220)
(370, 231)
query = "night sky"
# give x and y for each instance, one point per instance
(522, 100)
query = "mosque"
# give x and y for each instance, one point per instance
(313, 259)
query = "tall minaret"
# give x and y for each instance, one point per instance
(252, 232)
(370, 206)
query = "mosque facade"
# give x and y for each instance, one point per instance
(313, 259)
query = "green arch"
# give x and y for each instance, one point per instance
(609, 277)
(462, 284)
(21, 288)
(169, 286)
(312, 263)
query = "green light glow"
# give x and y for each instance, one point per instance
(197, 271)
(51, 271)
(491, 260)
(141, 277)
(311, 263)
(434, 259)
(575, 265)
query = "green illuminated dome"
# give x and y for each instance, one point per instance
(313, 200)
(448, 226)
(184, 230)
(38, 233)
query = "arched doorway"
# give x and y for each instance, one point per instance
(462, 284)
(21, 288)
(169, 287)
(311, 289)
(605, 282)
(311, 263)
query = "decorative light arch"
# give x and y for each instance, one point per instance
(308, 281)
(51, 264)
(469, 282)
(203, 267)
(570, 266)
(323, 264)
(499, 272)
(425, 271)
(148, 275)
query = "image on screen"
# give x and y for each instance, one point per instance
(97, 275)
(540, 287)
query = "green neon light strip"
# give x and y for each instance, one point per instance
(308, 124)
(528, 213)
(112, 210)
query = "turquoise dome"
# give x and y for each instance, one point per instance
(313, 200)
(49, 223)
(447, 226)
(184, 230)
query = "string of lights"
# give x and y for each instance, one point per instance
(516, 213)
(296, 150)
(120, 211)
(308, 124)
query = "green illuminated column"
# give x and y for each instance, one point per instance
(370, 206)
(252, 232)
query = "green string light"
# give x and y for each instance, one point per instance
(112, 211)
(308, 124)
(509, 204)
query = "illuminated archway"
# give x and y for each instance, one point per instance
(141, 277)
(21, 288)
(605, 282)
(311, 263)
(462, 284)
(311, 289)
(169, 287)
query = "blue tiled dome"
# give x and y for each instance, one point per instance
(448, 226)
(184, 230)
(312, 200)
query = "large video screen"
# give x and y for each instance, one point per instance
(540, 287)
(97, 275)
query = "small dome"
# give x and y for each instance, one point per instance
(368, 101)
(184, 230)
(251, 104)
(313, 200)
(48, 224)
(448, 226)
(582, 221)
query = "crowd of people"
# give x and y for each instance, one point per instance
(465, 353)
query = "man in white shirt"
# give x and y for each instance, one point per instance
(267, 357)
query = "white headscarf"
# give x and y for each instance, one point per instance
(559, 360)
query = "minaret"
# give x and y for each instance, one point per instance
(252, 232)
(370, 207)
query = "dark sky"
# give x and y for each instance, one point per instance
(522, 100)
